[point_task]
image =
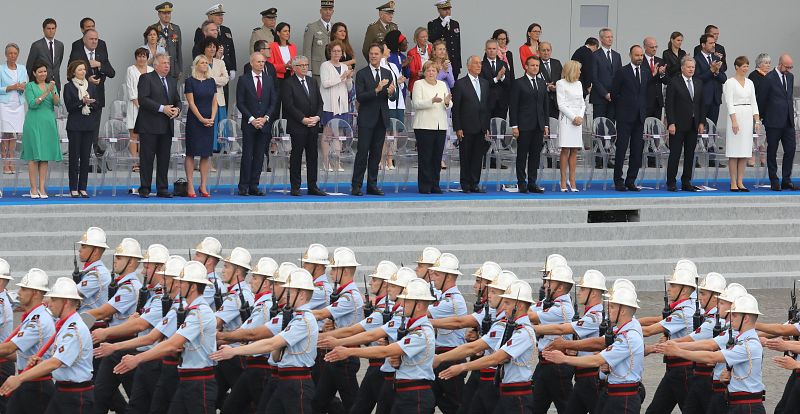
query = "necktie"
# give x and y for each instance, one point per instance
(164, 84)
(258, 86)
(477, 86)
(608, 53)
(165, 32)
(533, 83)
(783, 80)
(547, 67)
(305, 87)
(709, 60)
(377, 76)
(91, 55)
(691, 88)
(327, 27)
(52, 55)
(638, 78)
(652, 67)
(494, 69)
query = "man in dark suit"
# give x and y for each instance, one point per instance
(302, 108)
(97, 72)
(159, 105)
(605, 63)
(261, 46)
(583, 55)
(777, 115)
(494, 71)
(448, 30)
(529, 113)
(709, 71)
(256, 98)
(374, 89)
(719, 50)
(216, 15)
(471, 123)
(629, 95)
(550, 71)
(48, 50)
(87, 23)
(685, 119)
(655, 95)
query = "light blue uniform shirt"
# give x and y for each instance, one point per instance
(126, 298)
(588, 326)
(169, 323)
(228, 313)
(679, 323)
(520, 348)
(375, 319)
(478, 316)
(722, 342)
(151, 314)
(73, 347)
(625, 357)
(6, 315)
(274, 325)
(301, 336)
(494, 337)
(36, 329)
(560, 312)
(349, 308)
(390, 328)
(322, 296)
(745, 361)
(208, 293)
(706, 330)
(260, 315)
(94, 286)
(452, 303)
(200, 331)
(419, 348)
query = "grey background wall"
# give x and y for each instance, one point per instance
(747, 27)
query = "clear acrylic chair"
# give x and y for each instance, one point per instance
(396, 137)
(229, 138)
(710, 147)
(656, 147)
(118, 110)
(340, 141)
(502, 147)
(604, 132)
(177, 150)
(117, 154)
(283, 150)
(760, 153)
(551, 151)
(11, 143)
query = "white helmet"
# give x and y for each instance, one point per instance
(402, 277)
(284, 270)
(5, 270)
(623, 283)
(429, 256)
(488, 271)
(317, 254)
(194, 272)
(622, 295)
(129, 247)
(384, 270)
(343, 257)
(35, 279)
(713, 282)
(562, 273)
(64, 288)
(240, 257)
(174, 266)
(519, 290)
(266, 266)
(94, 236)
(745, 304)
(683, 276)
(447, 263)
(552, 261)
(593, 279)
(300, 279)
(686, 264)
(417, 289)
(156, 253)
(210, 247)
(503, 280)
(732, 292)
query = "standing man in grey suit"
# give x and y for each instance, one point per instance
(169, 37)
(317, 37)
(48, 50)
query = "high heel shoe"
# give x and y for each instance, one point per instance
(74, 194)
(192, 195)
(206, 195)
(564, 190)
(34, 195)
(43, 195)
(744, 190)
(84, 194)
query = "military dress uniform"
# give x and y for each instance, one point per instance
(450, 33)
(294, 388)
(371, 385)
(717, 403)
(263, 32)
(246, 393)
(341, 375)
(94, 285)
(197, 388)
(271, 381)
(746, 389)
(699, 395)
(487, 395)
(143, 384)
(36, 328)
(471, 386)
(674, 385)
(73, 347)
(552, 383)
(625, 358)
(448, 393)
(516, 394)
(228, 371)
(168, 377)
(319, 300)
(585, 391)
(6, 326)
(414, 377)
(315, 41)
(387, 391)
(210, 291)
(169, 37)
(377, 30)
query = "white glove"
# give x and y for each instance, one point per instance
(446, 21)
(231, 75)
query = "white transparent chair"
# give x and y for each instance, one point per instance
(116, 134)
(760, 152)
(177, 150)
(229, 137)
(11, 144)
(283, 142)
(405, 153)
(118, 110)
(503, 147)
(604, 132)
(340, 141)
(656, 147)
(396, 131)
(710, 147)
(551, 151)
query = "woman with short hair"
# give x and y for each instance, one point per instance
(83, 115)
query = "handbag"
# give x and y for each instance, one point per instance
(181, 188)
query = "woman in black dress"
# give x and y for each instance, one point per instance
(200, 92)
(673, 54)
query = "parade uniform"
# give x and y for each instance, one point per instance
(36, 328)
(471, 386)
(263, 32)
(315, 41)
(197, 388)
(216, 283)
(699, 395)
(169, 37)
(717, 404)
(294, 389)
(585, 391)
(168, 377)
(486, 394)
(516, 393)
(319, 300)
(371, 385)
(552, 383)
(414, 377)
(143, 384)
(94, 285)
(674, 386)
(450, 33)
(74, 392)
(341, 376)
(625, 358)
(746, 389)
(387, 392)
(6, 326)
(228, 371)
(449, 392)
(271, 381)
(376, 32)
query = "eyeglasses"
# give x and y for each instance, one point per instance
(302, 65)
(502, 38)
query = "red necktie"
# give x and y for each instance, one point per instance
(258, 86)
(652, 67)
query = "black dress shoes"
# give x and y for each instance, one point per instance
(243, 192)
(375, 191)
(478, 190)
(255, 192)
(523, 188)
(672, 187)
(690, 188)
(535, 189)
(164, 195)
(316, 191)
(789, 186)
(356, 192)
(632, 187)
(466, 190)
(775, 186)
(436, 190)
(295, 192)
(144, 194)
(620, 187)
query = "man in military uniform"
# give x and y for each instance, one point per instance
(120, 306)
(195, 340)
(6, 324)
(69, 353)
(169, 37)
(316, 38)
(94, 277)
(269, 19)
(209, 253)
(448, 30)
(35, 328)
(215, 14)
(376, 31)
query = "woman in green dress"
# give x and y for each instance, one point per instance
(40, 142)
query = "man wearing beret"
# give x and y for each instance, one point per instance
(316, 38)
(376, 31)
(169, 37)
(269, 19)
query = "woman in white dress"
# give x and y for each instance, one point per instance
(13, 78)
(739, 95)
(571, 105)
(132, 83)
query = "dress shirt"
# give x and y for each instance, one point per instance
(607, 53)
(476, 83)
(255, 84)
(494, 63)
(686, 82)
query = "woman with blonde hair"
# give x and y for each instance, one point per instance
(201, 91)
(431, 99)
(571, 105)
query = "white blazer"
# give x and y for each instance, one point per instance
(219, 72)
(430, 115)
(335, 91)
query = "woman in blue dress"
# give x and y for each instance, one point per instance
(200, 91)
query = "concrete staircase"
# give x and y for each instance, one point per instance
(750, 239)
